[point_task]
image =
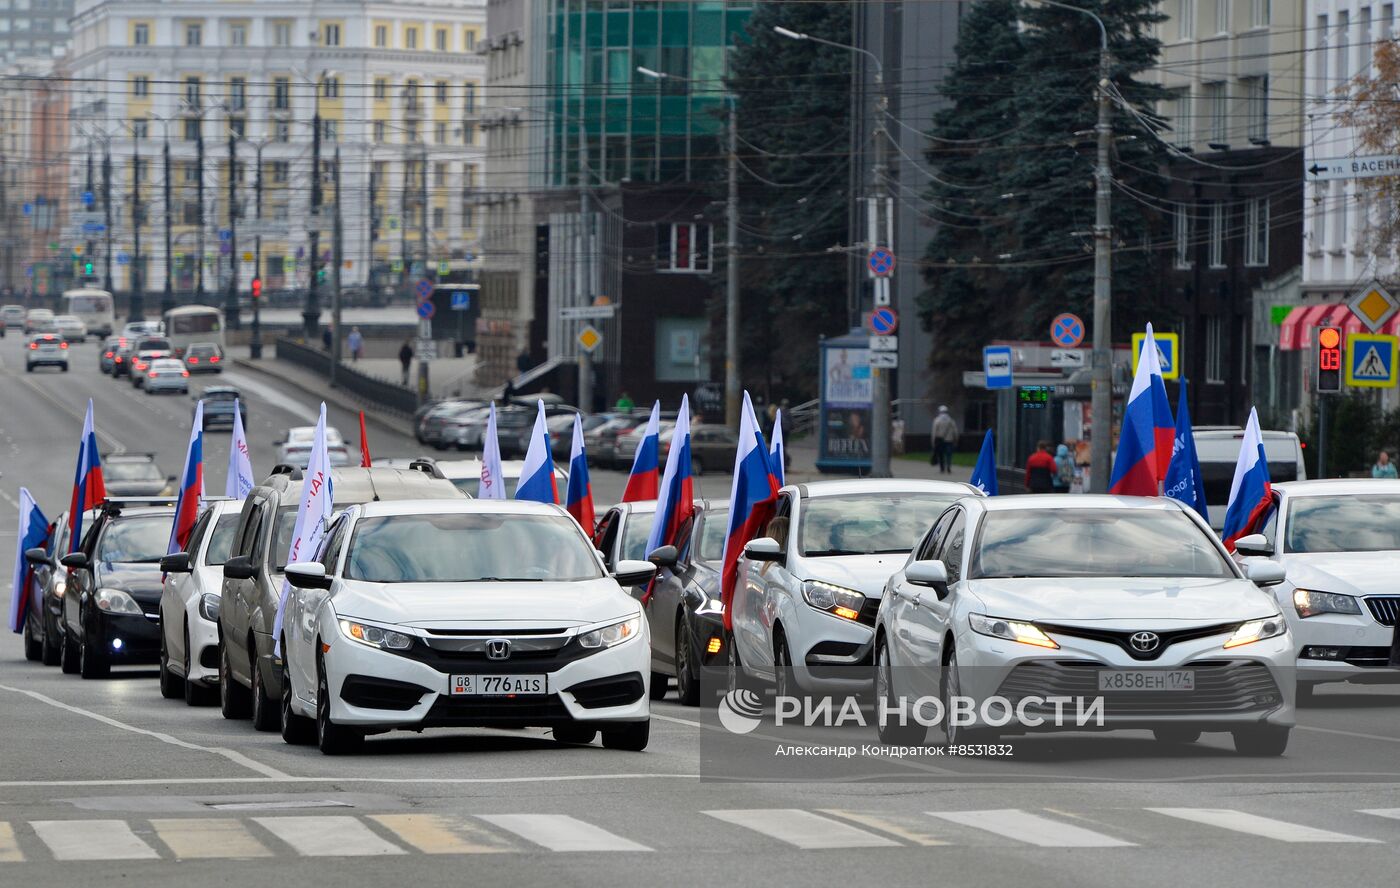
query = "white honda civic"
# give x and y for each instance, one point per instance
(480, 613)
(1110, 612)
(189, 606)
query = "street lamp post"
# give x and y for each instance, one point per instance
(107, 210)
(136, 308)
(231, 294)
(311, 313)
(167, 299)
(255, 344)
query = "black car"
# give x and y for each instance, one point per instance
(219, 404)
(111, 609)
(134, 474)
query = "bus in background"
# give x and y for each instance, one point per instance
(93, 307)
(189, 324)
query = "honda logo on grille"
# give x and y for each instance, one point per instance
(498, 649)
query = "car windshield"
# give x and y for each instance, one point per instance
(712, 532)
(1355, 523)
(138, 538)
(635, 534)
(131, 471)
(869, 523)
(466, 548)
(1095, 543)
(221, 540)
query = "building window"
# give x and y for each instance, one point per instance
(469, 40)
(440, 133)
(1256, 96)
(381, 36)
(282, 131)
(410, 95)
(237, 127)
(683, 247)
(330, 35)
(411, 38)
(281, 94)
(381, 89)
(411, 130)
(1259, 13)
(192, 91)
(1217, 111)
(280, 172)
(1256, 231)
(329, 130)
(1339, 42)
(468, 216)
(190, 213)
(190, 173)
(140, 86)
(330, 88)
(440, 39)
(1185, 19)
(139, 128)
(1182, 220)
(238, 35)
(1222, 16)
(1343, 215)
(469, 99)
(237, 94)
(468, 133)
(440, 174)
(440, 92)
(1176, 108)
(194, 34)
(468, 176)
(1217, 234)
(1215, 350)
(140, 34)
(439, 217)
(281, 33)
(1387, 21)
(379, 131)
(1319, 216)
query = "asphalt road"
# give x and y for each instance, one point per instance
(105, 781)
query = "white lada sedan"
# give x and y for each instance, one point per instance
(1125, 609)
(480, 613)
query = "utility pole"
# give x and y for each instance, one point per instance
(167, 300)
(423, 202)
(90, 249)
(231, 295)
(311, 313)
(199, 207)
(373, 228)
(255, 344)
(407, 260)
(107, 207)
(585, 265)
(337, 248)
(136, 308)
(732, 396)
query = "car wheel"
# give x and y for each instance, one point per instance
(267, 713)
(33, 647)
(28, 368)
(172, 686)
(687, 673)
(91, 662)
(195, 694)
(333, 739)
(65, 368)
(629, 736)
(1261, 740)
(233, 697)
(53, 650)
(950, 687)
(575, 735)
(892, 732)
(297, 729)
(785, 681)
(1175, 734)
(1306, 694)
(68, 660)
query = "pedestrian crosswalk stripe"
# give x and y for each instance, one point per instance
(328, 836)
(92, 840)
(1390, 813)
(9, 848)
(910, 828)
(803, 829)
(560, 832)
(438, 834)
(1033, 829)
(1253, 824)
(193, 838)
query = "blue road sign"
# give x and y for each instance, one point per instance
(225, 234)
(123, 258)
(424, 289)
(881, 262)
(29, 271)
(883, 321)
(1168, 347)
(1371, 360)
(426, 310)
(29, 209)
(1067, 330)
(461, 300)
(93, 228)
(469, 257)
(88, 198)
(996, 364)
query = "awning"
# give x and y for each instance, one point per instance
(1297, 330)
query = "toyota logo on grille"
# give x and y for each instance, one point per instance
(1144, 642)
(498, 649)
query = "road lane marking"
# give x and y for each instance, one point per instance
(237, 758)
(288, 778)
(193, 838)
(910, 829)
(1389, 813)
(1382, 738)
(92, 840)
(329, 836)
(802, 829)
(269, 394)
(665, 718)
(1033, 829)
(560, 832)
(1264, 827)
(9, 846)
(438, 834)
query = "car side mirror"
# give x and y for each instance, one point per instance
(175, 563)
(933, 574)
(1264, 573)
(37, 557)
(308, 575)
(664, 557)
(763, 549)
(75, 560)
(1254, 544)
(239, 567)
(633, 573)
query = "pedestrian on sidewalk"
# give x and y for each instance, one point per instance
(326, 338)
(356, 343)
(1040, 469)
(406, 358)
(1383, 468)
(945, 438)
(1064, 469)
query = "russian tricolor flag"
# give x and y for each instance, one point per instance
(1145, 443)
(88, 488)
(578, 498)
(775, 452)
(1251, 495)
(191, 486)
(675, 499)
(641, 484)
(752, 501)
(537, 473)
(33, 533)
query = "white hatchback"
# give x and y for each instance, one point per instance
(189, 607)
(480, 613)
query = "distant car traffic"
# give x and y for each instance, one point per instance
(294, 449)
(71, 328)
(1013, 602)
(601, 442)
(418, 615)
(13, 317)
(135, 474)
(141, 364)
(189, 606)
(167, 375)
(46, 350)
(218, 406)
(465, 474)
(123, 356)
(106, 362)
(204, 357)
(38, 320)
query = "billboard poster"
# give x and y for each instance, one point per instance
(846, 399)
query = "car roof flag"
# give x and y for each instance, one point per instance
(776, 456)
(1184, 480)
(88, 488)
(642, 482)
(984, 474)
(752, 501)
(578, 498)
(365, 459)
(240, 466)
(191, 492)
(1251, 494)
(33, 533)
(1145, 444)
(537, 472)
(493, 482)
(313, 515)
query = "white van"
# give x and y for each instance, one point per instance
(93, 307)
(1218, 448)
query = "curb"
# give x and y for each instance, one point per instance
(388, 422)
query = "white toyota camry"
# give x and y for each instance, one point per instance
(1009, 603)
(189, 607)
(1339, 541)
(481, 613)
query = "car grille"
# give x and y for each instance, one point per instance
(1222, 687)
(1121, 638)
(525, 711)
(868, 611)
(459, 654)
(1384, 608)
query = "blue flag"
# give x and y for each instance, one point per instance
(1184, 481)
(984, 474)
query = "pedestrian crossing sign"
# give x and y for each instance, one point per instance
(1371, 360)
(1168, 351)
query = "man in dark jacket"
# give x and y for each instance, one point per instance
(1040, 469)
(406, 358)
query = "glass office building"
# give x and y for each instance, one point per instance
(617, 124)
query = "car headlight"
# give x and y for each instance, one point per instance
(1310, 603)
(115, 601)
(375, 636)
(607, 636)
(1010, 630)
(209, 606)
(838, 600)
(1258, 630)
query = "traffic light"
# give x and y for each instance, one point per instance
(1329, 359)
(257, 288)
(87, 268)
